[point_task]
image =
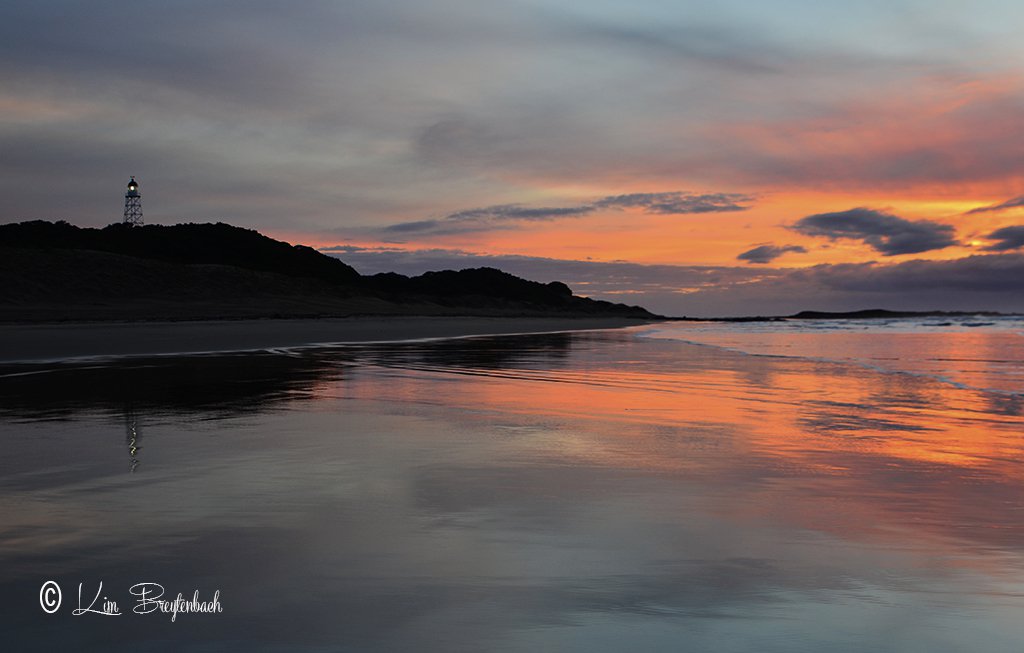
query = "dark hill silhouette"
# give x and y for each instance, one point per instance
(482, 284)
(219, 243)
(57, 271)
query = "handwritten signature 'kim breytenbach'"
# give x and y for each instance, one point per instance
(149, 598)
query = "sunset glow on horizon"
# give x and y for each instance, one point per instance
(758, 141)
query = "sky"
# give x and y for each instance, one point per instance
(698, 158)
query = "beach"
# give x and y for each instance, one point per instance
(577, 491)
(520, 327)
(31, 342)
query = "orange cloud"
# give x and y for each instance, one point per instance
(927, 151)
(940, 137)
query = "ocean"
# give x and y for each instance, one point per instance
(975, 352)
(797, 486)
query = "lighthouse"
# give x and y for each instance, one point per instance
(133, 204)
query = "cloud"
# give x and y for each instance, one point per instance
(974, 283)
(768, 252)
(680, 203)
(518, 212)
(981, 282)
(731, 51)
(980, 273)
(1002, 206)
(464, 104)
(885, 233)
(1009, 238)
(611, 278)
(504, 216)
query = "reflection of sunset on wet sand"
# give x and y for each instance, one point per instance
(587, 491)
(902, 448)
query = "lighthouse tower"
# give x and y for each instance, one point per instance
(133, 204)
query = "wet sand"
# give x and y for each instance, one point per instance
(590, 492)
(82, 340)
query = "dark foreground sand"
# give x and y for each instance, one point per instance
(64, 341)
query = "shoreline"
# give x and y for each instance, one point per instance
(37, 343)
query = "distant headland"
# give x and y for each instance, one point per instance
(866, 314)
(55, 271)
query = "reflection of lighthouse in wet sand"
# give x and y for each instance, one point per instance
(133, 204)
(132, 437)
